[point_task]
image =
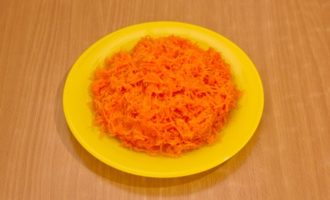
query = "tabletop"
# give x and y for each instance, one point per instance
(287, 158)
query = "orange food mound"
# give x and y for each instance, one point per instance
(166, 96)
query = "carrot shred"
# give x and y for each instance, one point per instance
(166, 96)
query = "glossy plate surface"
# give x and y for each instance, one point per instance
(240, 128)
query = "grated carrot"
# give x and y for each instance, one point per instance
(166, 96)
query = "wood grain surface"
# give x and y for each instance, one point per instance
(288, 157)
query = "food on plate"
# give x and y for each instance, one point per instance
(166, 96)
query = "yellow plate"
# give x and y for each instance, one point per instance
(240, 128)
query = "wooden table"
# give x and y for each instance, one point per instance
(288, 157)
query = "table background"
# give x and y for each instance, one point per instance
(288, 157)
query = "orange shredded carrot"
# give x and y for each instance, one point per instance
(166, 96)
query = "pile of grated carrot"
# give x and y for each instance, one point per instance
(166, 96)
